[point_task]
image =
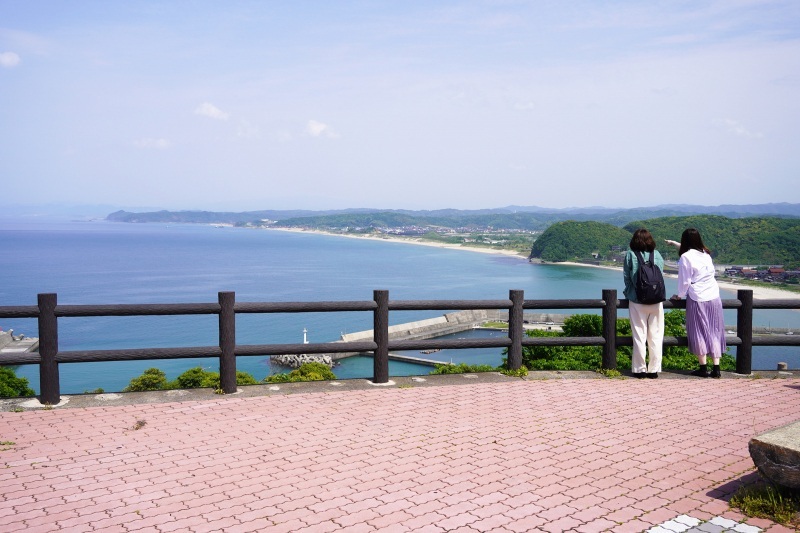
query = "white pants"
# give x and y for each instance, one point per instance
(647, 328)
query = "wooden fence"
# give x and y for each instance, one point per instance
(48, 311)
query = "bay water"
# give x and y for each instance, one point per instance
(101, 262)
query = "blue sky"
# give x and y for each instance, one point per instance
(242, 105)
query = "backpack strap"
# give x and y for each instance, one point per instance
(640, 258)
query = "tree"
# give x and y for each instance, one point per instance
(12, 386)
(151, 379)
(306, 372)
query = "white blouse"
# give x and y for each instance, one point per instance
(696, 277)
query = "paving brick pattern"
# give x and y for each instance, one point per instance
(522, 455)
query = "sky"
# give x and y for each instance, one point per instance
(246, 105)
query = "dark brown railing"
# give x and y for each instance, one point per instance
(48, 311)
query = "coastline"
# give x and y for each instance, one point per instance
(761, 293)
(411, 240)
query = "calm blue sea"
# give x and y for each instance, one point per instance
(112, 263)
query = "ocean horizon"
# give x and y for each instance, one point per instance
(102, 262)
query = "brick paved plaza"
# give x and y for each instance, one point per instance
(450, 454)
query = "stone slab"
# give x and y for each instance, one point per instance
(776, 453)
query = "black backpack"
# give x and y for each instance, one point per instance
(649, 282)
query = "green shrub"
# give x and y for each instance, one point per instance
(306, 372)
(151, 379)
(461, 368)
(244, 378)
(196, 378)
(12, 386)
(193, 378)
(519, 373)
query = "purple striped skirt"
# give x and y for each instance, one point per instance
(705, 327)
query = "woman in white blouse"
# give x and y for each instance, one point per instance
(705, 325)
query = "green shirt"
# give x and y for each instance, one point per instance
(629, 268)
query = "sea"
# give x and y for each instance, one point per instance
(101, 262)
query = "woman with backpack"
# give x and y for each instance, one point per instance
(645, 308)
(705, 324)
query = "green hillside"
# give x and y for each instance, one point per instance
(572, 240)
(743, 241)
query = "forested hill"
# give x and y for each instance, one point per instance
(511, 217)
(574, 240)
(743, 241)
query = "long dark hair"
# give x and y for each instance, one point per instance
(642, 241)
(691, 240)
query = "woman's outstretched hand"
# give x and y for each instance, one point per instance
(676, 244)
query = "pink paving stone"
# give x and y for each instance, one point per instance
(323, 527)
(526, 525)
(620, 502)
(489, 499)
(357, 518)
(455, 522)
(457, 509)
(425, 508)
(651, 504)
(557, 512)
(657, 516)
(758, 522)
(581, 491)
(385, 520)
(778, 528)
(634, 526)
(491, 523)
(431, 528)
(551, 490)
(494, 509)
(624, 515)
(286, 527)
(586, 514)
(430, 519)
(596, 526)
(715, 507)
(685, 505)
(562, 524)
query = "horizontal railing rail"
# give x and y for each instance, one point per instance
(48, 311)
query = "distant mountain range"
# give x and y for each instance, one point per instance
(511, 217)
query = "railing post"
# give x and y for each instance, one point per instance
(49, 387)
(516, 329)
(744, 330)
(227, 342)
(610, 329)
(380, 332)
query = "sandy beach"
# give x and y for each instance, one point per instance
(761, 293)
(412, 240)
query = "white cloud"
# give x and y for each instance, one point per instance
(9, 59)
(210, 110)
(320, 129)
(157, 144)
(736, 128)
